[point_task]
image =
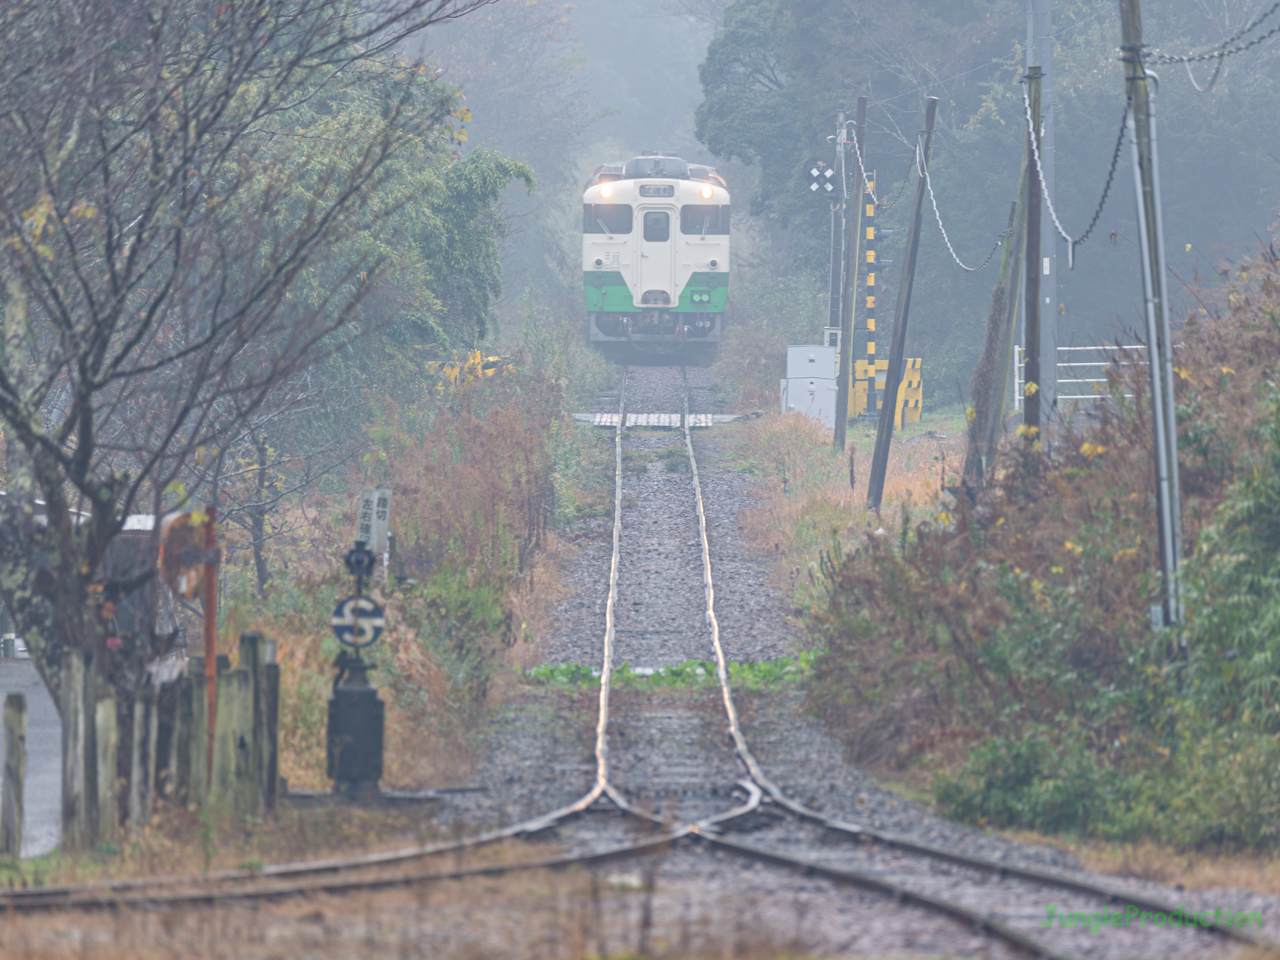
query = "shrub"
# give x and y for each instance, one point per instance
(1022, 610)
(1029, 781)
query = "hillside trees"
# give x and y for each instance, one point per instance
(775, 73)
(200, 200)
(520, 68)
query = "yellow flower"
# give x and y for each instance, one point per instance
(1072, 547)
(1091, 450)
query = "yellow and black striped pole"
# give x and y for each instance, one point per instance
(872, 404)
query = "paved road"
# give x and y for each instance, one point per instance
(43, 794)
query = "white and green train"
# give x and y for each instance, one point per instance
(655, 255)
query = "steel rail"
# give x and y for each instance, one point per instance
(757, 773)
(91, 896)
(980, 921)
(776, 794)
(99, 899)
(208, 897)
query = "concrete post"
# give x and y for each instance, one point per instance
(108, 790)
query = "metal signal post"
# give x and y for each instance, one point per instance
(852, 234)
(1146, 176)
(1034, 375)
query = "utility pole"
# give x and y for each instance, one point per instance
(853, 230)
(833, 298)
(820, 179)
(837, 237)
(1040, 47)
(898, 342)
(1146, 177)
(1034, 374)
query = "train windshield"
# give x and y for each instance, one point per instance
(704, 219)
(657, 226)
(606, 218)
(659, 168)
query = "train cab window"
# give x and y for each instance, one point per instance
(704, 219)
(606, 218)
(659, 168)
(657, 226)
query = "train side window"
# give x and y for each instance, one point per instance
(606, 218)
(657, 226)
(704, 219)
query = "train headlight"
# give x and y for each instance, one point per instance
(707, 191)
(606, 191)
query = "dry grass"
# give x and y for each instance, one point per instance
(472, 509)
(569, 915)
(805, 490)
(1162, 863)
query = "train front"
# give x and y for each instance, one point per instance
(655, 255)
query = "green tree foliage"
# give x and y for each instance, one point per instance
(748, 113)
(519, 67)
(186, 230)
(1233, 670)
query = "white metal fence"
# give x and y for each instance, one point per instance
(1082, 371)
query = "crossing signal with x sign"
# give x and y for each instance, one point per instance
(821, 177)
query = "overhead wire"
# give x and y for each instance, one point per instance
(1072, 243)
(867, 181)
(1009, 56)
(923, 170)
(1222, 52)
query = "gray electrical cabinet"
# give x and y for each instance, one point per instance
(810, 384)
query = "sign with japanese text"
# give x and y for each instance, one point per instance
(373, 518)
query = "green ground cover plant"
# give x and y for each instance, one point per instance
(776, 674)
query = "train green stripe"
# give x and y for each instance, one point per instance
(607, 292)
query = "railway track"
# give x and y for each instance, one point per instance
(981, 893)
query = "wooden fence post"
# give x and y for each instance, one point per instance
(137, 741)
(271, 765)
(153, 729)
(168, 717)
(182, 743)
(232, 789)
(252, 660)
(197, 735)
(75, 824)
(15, 771)
(108, 776)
